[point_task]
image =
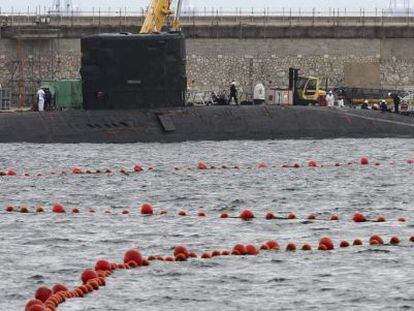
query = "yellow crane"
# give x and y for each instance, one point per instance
(157, 13)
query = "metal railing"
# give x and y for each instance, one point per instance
(202, 16)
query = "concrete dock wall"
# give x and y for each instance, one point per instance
(372, 54)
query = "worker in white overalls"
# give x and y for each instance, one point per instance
(41, 100)
(330, 99)
(259, 94)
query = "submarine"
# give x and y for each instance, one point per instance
(134, 90)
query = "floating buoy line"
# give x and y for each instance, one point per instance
(92, 279)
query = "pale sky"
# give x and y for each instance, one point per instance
(22, 5)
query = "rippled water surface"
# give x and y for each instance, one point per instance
(38, 249)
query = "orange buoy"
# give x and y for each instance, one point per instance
(376, 238)
(182, 213)
(103, 265)
(24, 210)
(327, 242)
(138, 168)
(224, 215)
(291, 216)
(201, 214)
(312, 163)
(247, 215)
(201, 166)
(359, 217)
(59, 288)
(381, 219)
(357, 242)
(344, 244)
(133, 255)
(181, 249)
(394, 240)
(43, 293)
(273, 245)
(334, 217)
(57, 208)
(306, 247)
(33, 302)
(240, 249)
(401, 219)
(251, 250)
(312, 217)
(291, 247)
(40, 210)
(87, 275)
(9, 208)
(364, 161)
(270, 215)
(75, 211)
(205, 256)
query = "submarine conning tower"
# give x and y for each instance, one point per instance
(133, 71)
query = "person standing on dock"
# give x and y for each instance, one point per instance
(397, 101)
(330, 99)
(41, 100)
(233, 93)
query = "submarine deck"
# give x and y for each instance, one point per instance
(201, 123)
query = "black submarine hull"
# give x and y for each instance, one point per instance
(215, 123)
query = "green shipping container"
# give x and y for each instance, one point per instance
(66, 94)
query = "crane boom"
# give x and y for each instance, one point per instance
(157, 13)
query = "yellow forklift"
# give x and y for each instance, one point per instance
(306, 90)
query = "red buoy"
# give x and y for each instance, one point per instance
(24, 210)
(270, 215)
(59, 288)
(182, 213)
(58, 209)
(201, 214)
(40, 210)
(133, 255)
(75, 210)
(327, 242)
(262, 165)
(9, 208)
(87, 275)
(410, 161)
(273, 245)
(376, 238)
(312, 217)
(357, 242)
(76, 171)
(37, 308)
(43, 293)
(401, 219)
(291, 216)
(138, 168)
(296, 165)
(33, 302)
(251, 250)
(215, 253)
(322, 247)
(201, 166)
(344, 244)
(225, 253)
(163, 213)
(206, 256)
(381, 219)
(364, 161)
(291, 247)
(359, 217)
(103, 265)
(224, 215)
(146, 209)
(240, 248)
(180, 257)
(247, 215)
(394, 240)
(11, 173)
(181, 249)
(334, 217)
(169, 259)
(264, 247)
(312, 163)
(306, 247)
